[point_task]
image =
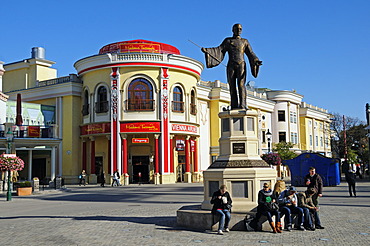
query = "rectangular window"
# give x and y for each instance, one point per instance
(281, 115)
(263, 136)
(317, 141)
(310, 140)
(282, 136)
(321, 142)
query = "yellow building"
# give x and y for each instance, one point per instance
(139, 107)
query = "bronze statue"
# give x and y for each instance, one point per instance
(236, 47)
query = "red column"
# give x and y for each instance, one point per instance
(84, 159)
(171, 155)
(124, 156)
(156, 156)
(92, 156)
(187, 155)
(109, 157)
(195, 156)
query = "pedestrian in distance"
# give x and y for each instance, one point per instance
(102, 178)
(222, 204)
(350, 175)
(116, 178)
(268, 207)
(314, 180)
(82, 178)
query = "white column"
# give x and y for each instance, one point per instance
(30, 165)
(60, 159)
(52, 164)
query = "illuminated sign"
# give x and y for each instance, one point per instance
(95, 129)
(184, 128)
(140, 140)
(141, 127)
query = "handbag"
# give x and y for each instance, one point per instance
(272, 206)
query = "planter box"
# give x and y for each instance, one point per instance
(25, 191)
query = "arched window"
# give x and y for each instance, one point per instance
(178, 102)
(101, 105)
(85, 106)
(140, 96)
(193, 106)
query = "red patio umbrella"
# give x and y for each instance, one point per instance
(19, 120)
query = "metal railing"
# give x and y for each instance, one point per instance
(139, 105)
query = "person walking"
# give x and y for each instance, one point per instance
(102, 178)
(116, 178)
(222, 204)
(351, 178)
(268, 207)
(314, 180)
(82, 178)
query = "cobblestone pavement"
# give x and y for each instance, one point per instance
(146, 215)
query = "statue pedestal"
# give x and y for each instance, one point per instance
(239, 165)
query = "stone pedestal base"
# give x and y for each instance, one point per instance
(93, 179)
(243, 185)
(36, 185)
(187, 177)
(169, 178)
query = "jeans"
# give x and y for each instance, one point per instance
(224, 218)
(307, 218)
(352, 187)
(269, 215)
(288, 210)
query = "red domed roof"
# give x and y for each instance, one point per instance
(139, 46)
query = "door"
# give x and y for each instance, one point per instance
(39, 168)
(140, 169)
(180, 168)
(98, 167)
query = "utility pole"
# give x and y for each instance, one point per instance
(368, 131)
(345, 138)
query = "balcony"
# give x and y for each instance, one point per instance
(71, 78)
(30, 131)
(178, 106)
(140, 105)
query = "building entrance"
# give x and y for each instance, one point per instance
(39, 168)
(98, 167)
(140, 169)
(180, 168)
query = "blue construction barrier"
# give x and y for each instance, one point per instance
(328, 168)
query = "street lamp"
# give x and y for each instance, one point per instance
(9, 139)
(269, 135)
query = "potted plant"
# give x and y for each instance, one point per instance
(24, 189)
(9, 163)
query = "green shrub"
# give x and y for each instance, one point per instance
(25, 184)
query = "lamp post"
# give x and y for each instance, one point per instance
(269, 135)
(9, 139)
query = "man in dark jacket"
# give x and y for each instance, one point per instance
(313, 180)
(221, 201)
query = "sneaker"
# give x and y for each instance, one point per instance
(320, 227)
(227, 230)
(301, 228)
(220, 232)
(289, 228)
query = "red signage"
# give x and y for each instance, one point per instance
(139, 46)
(140, 140)
(33, 131)
(184, 128)
(98, 128)
(141, 127)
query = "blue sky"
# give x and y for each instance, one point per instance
(319, 48)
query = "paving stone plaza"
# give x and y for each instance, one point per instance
(146, 215)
